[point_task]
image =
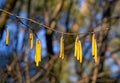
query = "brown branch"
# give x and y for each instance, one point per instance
(95, 73)
(55, 15)
(52, 25)
(46, 13)
(68, 15)
(52, 29)
(13, 63)
(18, 73)
(35, 77)
(47, 71)
(26, 52)
(26, 67)
(10, 4)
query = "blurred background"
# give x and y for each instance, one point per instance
(17, 59)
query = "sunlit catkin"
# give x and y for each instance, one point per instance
(37, 52)
(95, 51)
(7, 36)
(93, 45)
(94, 48)
(80, 51)
(75, 48)
(61, 48)
(31, 40)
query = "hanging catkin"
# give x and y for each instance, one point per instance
(95, 51)
(7, 36)
(75, 48)
(93, 45)
(94, 48)
(78, 49)
(31, 40)
(61, 48)
(37, 52)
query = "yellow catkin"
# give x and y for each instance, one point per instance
(37, 52)
(61, 48)
(7, 36)
(31, 40)
(95, 51)
(93, 45)
(75, 48)
(94, 48)
(80, 49)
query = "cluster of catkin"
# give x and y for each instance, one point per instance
(77, 47)
(37, 56)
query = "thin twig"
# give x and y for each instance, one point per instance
(47, 27)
